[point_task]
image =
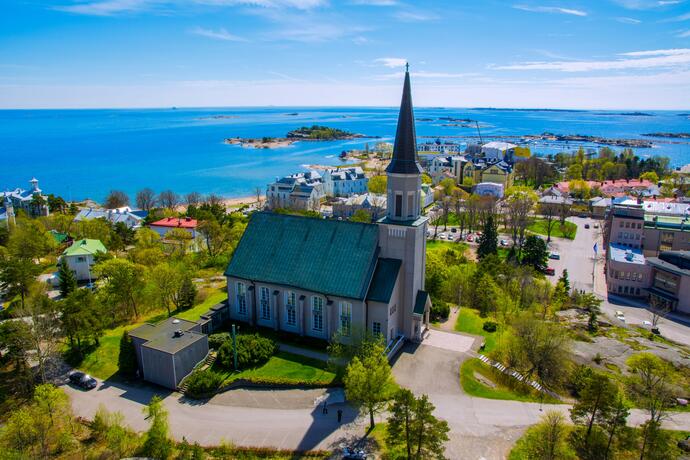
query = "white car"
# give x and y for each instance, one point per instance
(620, 315)
(442, 236)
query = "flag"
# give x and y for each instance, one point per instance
(595, 248)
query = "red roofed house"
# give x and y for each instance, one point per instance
(166, 224)
(614, 187)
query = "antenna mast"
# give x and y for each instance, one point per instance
(479, 131)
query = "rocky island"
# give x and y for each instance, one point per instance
(305, 133)
(627, 143)
(669, 135)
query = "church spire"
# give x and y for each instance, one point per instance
(404, 159)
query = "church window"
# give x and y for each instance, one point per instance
(290, 307)
(376, 328)
(392, 310)
(345, 318)
(241, 303)
(410, 205)
(317, 313)
(398, 205)
(265, 303)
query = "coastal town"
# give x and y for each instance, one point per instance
(475, 301)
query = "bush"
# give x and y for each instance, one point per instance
(216, 340)
(490, 326)
(127, 359)
(439, 310)
(252, 351)
(202, 383)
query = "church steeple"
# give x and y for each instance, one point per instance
(404, 172)
(404, 159)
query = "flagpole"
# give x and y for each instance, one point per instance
(594, 265)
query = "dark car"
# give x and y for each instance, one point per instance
(550, 271)
(83, 380)
(586, 225)
(454, 230)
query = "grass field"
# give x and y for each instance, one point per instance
(437, 245)
(568, 230)
(102, 362)
(474, 387)
(470, 322)
(283, 368)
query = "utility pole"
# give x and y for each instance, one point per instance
(234, 346)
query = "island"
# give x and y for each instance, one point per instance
(627, 143)
(669, 135)
(626, 114)
(305, 133)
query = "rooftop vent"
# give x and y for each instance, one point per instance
(629, 256)
(176, 321)
(178, 333)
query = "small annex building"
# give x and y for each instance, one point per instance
(168, 351)
(81, 256)
(338, 279)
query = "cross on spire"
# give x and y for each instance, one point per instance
(407, 67)
(404, 159)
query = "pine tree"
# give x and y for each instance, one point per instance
(488, 241)
(157, 444)
(565, 280)
(68, 282)
(186, 294)
(127, 360)
(535, 253)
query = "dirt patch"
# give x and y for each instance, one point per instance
(483, 380)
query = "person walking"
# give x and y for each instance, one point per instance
(340, 415)
(324, 411)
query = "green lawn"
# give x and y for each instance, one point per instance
(437, 245)
(539, 227)
(102, 362)
(283, 368)
(473, 387)
(388, 452)
(470, 322)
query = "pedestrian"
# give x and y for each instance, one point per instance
(324, 411)
(340, 415)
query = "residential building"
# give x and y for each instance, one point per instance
(489, 189)
(626, 271)
(302, 191)
(374, 204)
(498, 151)
(447, 166)
(131, 218)
(31, 201)
(610, 188)
(163, 226)
(439, 146)
(427, 195)
(599, 206)
(479, 170)
(168, 351)
(80, 257)
(345, 182)
(331, 278)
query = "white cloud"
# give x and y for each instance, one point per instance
(626, 20)
(633, 60)
(297, 4)
(684, 34)
(391, 62)
(424, 74)
(415, 16)
(220, 34)
(550, 9)
(107, 7)
(115, 7)
(645, 4)
(375, 2)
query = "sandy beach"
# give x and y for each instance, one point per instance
(239, 201)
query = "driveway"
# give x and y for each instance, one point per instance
(449, 341)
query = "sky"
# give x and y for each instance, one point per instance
(599, 54)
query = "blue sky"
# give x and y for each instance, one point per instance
(619, 54)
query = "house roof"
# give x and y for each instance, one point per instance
(175, 222)
(499, 145)
(326, 256)
(404, 159)
(620, 253)
(84, 247)
(420, 302)
(383, 283)
(162, 336)
(59, 237)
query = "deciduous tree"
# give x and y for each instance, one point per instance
(146, 199)
(116, 199)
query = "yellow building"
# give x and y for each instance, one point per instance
(479, 171)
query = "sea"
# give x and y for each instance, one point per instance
(80, 154)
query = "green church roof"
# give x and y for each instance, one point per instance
(326, 256)
(420, 302)
(384, 280)
(84, 247)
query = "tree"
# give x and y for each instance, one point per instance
(44, 336)
(519, 201)
(378, 185)
(565, 280)
(17, 276)
(401, 419)
(595, 405)
(361, 215)
(549, 211)
(216, 236)
(651, 176)
(124, 281)
(81, 318)
(30, 240)
(616, 421)
(651, 385)
(146, 199)
(185, 296)
(127, 358)
(368, 380)
(547, 440)
(429, 433)
(658, 309)
(116, 199)
(157, 443)
(168, 199)
(167, 282)
(488, 241)
(68, 281)
(448, 186)
(535, 253)
(56, 204)
(192, 199)
(485, 294)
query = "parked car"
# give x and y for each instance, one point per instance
(554, 255)
(354, 454)
(503, 243)
(596, 225)
(442, 236)
(550, 271)
(620, 315)
(83, 380)
(470, 238)
(454, 230)
(586, 225)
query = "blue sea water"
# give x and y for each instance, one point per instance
(85, 153)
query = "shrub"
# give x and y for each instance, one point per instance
(490, 326)
(201, 383)
(216, 340)
(127, 359)
(439, 310)
(252, 351)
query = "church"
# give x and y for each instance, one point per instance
(328, 278)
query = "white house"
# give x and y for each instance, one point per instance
(24, 199)
(344, 182)
(132, 219)
(80, 256)
(498, 151)
(489, 189)
(301, 191)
